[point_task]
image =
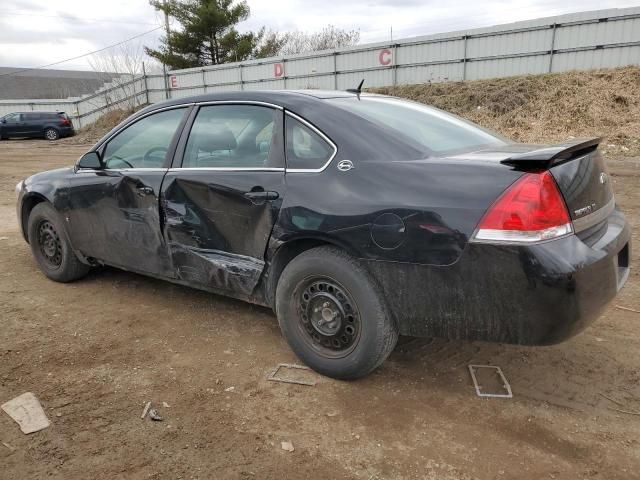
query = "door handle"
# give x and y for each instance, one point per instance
(261, 195)
(144, 190)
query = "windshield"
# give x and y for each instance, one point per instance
(435, 130)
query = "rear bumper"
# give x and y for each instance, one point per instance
(67, 131)
(530, 295)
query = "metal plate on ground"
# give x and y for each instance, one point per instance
(482, 387)
(275, 377)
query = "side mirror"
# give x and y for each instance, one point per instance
(4, 120)
(90, 160)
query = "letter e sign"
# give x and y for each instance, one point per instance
(173, 80)
(278, 70)
(385, 56)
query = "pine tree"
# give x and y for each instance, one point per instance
(208, 34)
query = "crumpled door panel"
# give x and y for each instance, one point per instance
(216, 235)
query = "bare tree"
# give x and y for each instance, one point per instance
(122, 68)
(273, 43)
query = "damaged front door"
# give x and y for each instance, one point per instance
(114, 215)
(222, 201)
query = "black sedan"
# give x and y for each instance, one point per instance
(356, 217)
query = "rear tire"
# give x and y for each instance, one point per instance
(332, 314)
(51, 134)
(51, 247)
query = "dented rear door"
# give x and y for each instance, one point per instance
(222, 198)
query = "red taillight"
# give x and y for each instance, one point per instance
(64, 121)
(530, 210)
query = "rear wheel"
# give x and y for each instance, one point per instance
(332, 314)
(51, 134)
(50, 246)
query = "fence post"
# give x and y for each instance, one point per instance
(78, 116)
(553, 46)
(204, 81)
(335, 70)
(395, 64)
(241, 79)
(166, 83)
(464, 59)
(284, 69)
(146, 86)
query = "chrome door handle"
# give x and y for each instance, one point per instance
(253, 196)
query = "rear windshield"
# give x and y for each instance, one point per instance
(434, 130)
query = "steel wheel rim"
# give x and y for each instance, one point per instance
(51, 135)
(49, 244)
(329, 318)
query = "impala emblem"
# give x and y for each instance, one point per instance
(584, 210)
(345, 165)
(604, 178)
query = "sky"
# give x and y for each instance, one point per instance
(39, 32)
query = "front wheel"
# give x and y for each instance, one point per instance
(51, 134)
(332, 314)
(50, 246)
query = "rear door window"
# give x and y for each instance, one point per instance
(306, 148)
(233, 136)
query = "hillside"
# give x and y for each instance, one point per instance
(545, 108)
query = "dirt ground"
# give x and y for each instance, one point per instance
(95, 351)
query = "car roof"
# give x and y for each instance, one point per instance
(36, 111)
(320, 93)
(284, 98)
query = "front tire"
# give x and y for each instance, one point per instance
(51, 134)
(332, 314)
(51, 247)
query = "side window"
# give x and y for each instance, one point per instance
(232, 136)
(305, 148)
(145, 143)
(31, 116)
(13, 118)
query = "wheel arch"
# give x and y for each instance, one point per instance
(286, 252)
(28, 204)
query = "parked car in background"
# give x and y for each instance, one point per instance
(356, 217)
(49, 125)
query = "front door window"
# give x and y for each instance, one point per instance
(145, 143)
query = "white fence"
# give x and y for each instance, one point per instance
(579, 41)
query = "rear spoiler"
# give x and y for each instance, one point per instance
(548, 156)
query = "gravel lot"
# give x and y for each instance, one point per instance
(95, 351)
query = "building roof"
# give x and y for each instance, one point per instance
(16, 84)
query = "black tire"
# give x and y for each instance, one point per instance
(50, 246)
(51, 134)
(332, 314)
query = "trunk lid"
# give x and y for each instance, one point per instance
(578, 168)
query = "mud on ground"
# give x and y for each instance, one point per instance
(96, 350)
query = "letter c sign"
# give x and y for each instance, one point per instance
(385, 56)
(278, 70)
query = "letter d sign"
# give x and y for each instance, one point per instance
(278, 70)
